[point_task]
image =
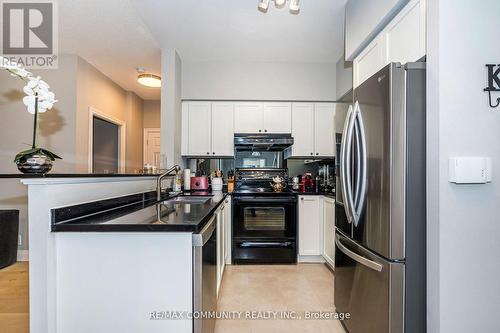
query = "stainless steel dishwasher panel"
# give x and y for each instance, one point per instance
(205, 277)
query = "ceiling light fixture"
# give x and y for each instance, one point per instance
(147, 79)
(294, 5)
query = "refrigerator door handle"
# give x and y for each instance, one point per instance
(345, 170)
(362, 166)
(356, 257)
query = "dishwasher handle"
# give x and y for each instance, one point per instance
(204, 235)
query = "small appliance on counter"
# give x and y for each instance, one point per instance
(187, 179)
(296, 183)
(307, 183)
(199, 182)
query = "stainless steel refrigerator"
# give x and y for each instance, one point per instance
(380, 259)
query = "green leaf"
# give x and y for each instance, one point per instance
(30, 151)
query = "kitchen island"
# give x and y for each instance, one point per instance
(106, 256)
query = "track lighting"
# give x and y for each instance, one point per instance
(294, 5)
(263, 5)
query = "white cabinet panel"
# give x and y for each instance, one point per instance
(228, 229)
(222, 129)
(329, 231)
(199, 121)
(370, 61)
(248, 117)
(310, 226)
(220, 236)
(277, 118)
(303, 129)
(405, 35)
(324, 129)
(185, 129)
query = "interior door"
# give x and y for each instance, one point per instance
(222, 129)
(199, 124)
(324, 129)
(278, 118)
(152, 150)
(368, 287)
(248, 117)
(303, 129)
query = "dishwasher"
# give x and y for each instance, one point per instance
(205, 278)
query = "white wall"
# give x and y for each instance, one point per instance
(463, 221)
(343, 77)
(259, 81)
(171, 68)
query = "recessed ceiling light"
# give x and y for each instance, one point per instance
(294, 6)
(149, 80)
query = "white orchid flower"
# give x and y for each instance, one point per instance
(36, 90)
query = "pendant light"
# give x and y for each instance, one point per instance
(294, 5)
(263, 5)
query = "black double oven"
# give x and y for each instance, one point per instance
(264, 221)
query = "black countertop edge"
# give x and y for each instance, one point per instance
(74, 175)
(75, 227)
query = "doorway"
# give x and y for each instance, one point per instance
(106, 144)
(152, 147)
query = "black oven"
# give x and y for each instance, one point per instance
(265, 228)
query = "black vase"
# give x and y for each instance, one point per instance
(35, 163)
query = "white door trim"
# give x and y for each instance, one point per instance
(121, 141)
(145, 142)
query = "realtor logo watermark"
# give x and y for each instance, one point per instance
(30, 33)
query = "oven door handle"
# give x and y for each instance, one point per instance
(265, 244)
(264, 200)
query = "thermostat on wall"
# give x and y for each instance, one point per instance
(470, 170)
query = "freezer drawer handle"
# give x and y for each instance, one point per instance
(356, 257)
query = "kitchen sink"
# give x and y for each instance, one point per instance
(188, 200)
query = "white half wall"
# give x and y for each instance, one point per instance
(463, 220)
(259, 81)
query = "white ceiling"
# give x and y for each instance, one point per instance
(116, 36)
(234, 30)
(111, 36)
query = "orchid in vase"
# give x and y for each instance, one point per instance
(38, 99)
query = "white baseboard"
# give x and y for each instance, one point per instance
(22, 255)
(311, 259)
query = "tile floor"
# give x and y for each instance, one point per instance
(299, 288)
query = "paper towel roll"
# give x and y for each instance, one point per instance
(187, 179)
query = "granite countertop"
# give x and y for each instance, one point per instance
(326, 194)
(140, 213)
(73, 175)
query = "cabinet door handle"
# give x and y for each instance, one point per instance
(208, 153)
(312, 154)
(213, 153)
(265, 131)
(260, 131)
(317, 154)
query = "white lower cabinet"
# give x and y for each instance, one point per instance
(310, 226)
(329, 231)
(224, 220)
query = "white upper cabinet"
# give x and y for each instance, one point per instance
(248, 117)
(324, 129)
(199, 124)
(364, 19)
(313, 130)
(255, 118)
(222, 129)
(277, 118)
(402, 40)
(303, 129)
(207, 129)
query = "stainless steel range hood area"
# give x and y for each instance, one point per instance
(264, 142)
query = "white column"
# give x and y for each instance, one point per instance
(171, 69)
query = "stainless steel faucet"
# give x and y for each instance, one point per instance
(169, 172)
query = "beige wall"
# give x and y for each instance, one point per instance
(152, 114)
(64, 129)
(134, 121)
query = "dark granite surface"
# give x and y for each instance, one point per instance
(73, 175)
(326, 194)
(172, 213)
